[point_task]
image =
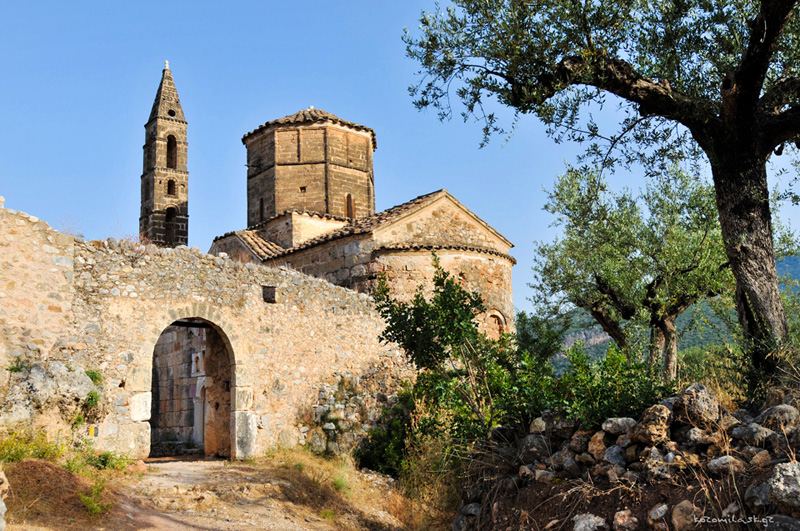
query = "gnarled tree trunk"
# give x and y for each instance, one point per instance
(744, 216)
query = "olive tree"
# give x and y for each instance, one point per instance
(632, 260)
(711, 77)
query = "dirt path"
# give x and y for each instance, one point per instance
(287, 492)
(211, 495)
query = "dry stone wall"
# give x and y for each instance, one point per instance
(69, 305)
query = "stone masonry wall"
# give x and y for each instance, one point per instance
(309, 167)
(69, 305)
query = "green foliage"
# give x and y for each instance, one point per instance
(108, 460)
(328, 514)
(632, 262)
(92, 400)
(617, 386)
(95, 376)
(93, 500)
(384, 451)
(342, 484)
(19, 444)
(18, 365)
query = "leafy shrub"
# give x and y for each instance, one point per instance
(108, 460)
(93, 500)
(617, 386)
(92, 399)
(384, 450)
(18, 365)
(20, 444)
(95, 376)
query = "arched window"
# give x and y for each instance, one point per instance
(495, 325)
(172, 152)
(170, 187)
(169, 237)
(350, 207)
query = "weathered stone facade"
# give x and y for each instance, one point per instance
(67, 306)
(309, 161)
(311, 207)
(164, 217)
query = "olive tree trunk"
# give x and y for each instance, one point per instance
(744, 214)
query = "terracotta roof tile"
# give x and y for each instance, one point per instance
(263, 249)
(367, 224)
(426, 247)
(310, 115)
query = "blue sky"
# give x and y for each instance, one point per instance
(79, 79)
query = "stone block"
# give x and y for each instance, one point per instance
(140, 404)
(242, 399)
(246, 430)
(139, 380)
(132, 440)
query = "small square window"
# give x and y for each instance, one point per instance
(268, 293)
(302, 189)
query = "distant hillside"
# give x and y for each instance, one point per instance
(697, 327)
(789, 266)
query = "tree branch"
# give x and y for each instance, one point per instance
(748, 80)
(782, 128)
(783, 92)
(618, 77)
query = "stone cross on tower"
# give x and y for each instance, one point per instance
(164, 217)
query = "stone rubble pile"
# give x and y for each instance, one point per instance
(688, 432)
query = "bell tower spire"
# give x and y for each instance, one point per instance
(164, 217)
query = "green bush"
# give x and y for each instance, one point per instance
(92, 399)
(384, 450)
(108, 460)
(617, 386)
(93, 500)
(17, 445)
(95, 376)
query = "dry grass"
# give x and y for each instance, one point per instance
(44, 495)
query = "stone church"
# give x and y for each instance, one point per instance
(311, 207)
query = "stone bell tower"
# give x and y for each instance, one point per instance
(164, 218)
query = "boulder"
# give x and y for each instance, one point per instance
(698, 406)
(761, 459)
(657, 515)
(756, 497)
(618, 425)
(579, 442)
(471, 509)
(532, 448)
(685, 516)
(752, 434)
(616, 456)
(538, 425)
(653, 428)
(779, 417)
(654, 466)
(625, 521)
(588, 522)
(784, 487)
(597, 445)
(317, 441)
(460, 523)
(572, 468)
(726, 464)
